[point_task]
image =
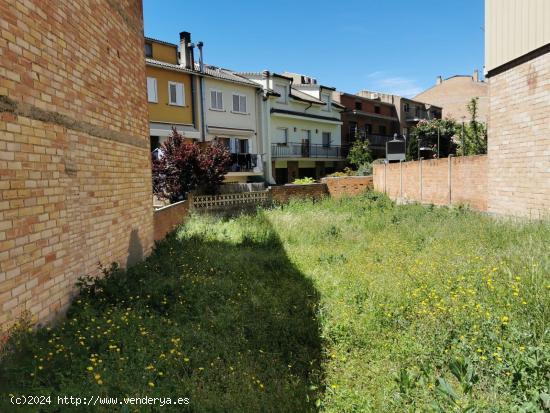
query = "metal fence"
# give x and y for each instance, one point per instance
(305, 150)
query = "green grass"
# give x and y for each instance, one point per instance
(355, 305)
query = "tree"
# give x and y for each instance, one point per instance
(359, 153)
(425, 135)
(182, 167)
(475, 136)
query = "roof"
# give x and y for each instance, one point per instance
(171, 66)
(298, 94)
(150, 39)
(226, 74)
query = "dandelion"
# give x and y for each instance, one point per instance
(89, 368)
(151, 384)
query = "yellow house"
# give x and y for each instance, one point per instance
(170, 92)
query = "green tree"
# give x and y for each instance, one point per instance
(426, 133)
(360, 153)
(475, 133)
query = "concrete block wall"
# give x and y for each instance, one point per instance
(519, 140)
(169, 217)
(75, 174)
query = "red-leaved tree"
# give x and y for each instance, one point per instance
(182, 167)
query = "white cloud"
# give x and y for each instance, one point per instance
(385, 82)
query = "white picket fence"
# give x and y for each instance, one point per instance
(228, 201)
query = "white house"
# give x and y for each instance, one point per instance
(303, 127)
(232, 108)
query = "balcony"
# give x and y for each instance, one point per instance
(301, 150)
(245, 162)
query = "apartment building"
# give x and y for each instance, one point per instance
(302, 124)
(455, 93)
(369, 119)
(409, 111)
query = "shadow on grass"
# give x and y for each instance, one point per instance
(230, 324)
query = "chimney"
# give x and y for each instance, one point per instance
(476, 76)
(438, 80)
(187, 58)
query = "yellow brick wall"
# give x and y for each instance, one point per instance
(519, 140)
(75, 174)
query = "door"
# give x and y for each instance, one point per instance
(306, 137)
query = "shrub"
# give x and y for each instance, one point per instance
(183, 167)
(304, 181)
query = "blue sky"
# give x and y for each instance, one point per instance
(395, 46)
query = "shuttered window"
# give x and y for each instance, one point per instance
(175, 94)
(216, 100)
(239, 103)
(152, 90)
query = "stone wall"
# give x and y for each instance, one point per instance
(519, 140)
(347, 185)
(75, 173)
(455, 180)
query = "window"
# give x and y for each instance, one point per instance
(326, 98)
(148, 49)
(326, 139)
(406, 107)
(282, 136)
(152, 95)
(377, 109)
(358, 106)
(352, 129)
(239, 103)
(216, 100)
(382, 130)
(281, 90)
(175, 94)
(243, 145)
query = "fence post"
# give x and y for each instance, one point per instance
(385, 180)
(401, 180)
(450, 180)
(421, 186)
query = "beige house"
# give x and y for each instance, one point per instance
(454, 94)
(517, 64)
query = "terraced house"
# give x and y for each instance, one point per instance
(171, 91)
(302, 125)
(205, 103)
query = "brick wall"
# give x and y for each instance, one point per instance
(75, 174)
(284, 193)
(347, 185)
(519, 140)
(168, 218)
(429, 181)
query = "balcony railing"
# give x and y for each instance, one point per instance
(301, 150)
(374, 140)
(244, 162)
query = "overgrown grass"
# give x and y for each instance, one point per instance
(353, 305)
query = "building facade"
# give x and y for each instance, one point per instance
(409, 111)
(303, 127)
(517, 64)
(232, 108)
(455, 93)
(369, 119)
(170, 91)
(75, 165)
